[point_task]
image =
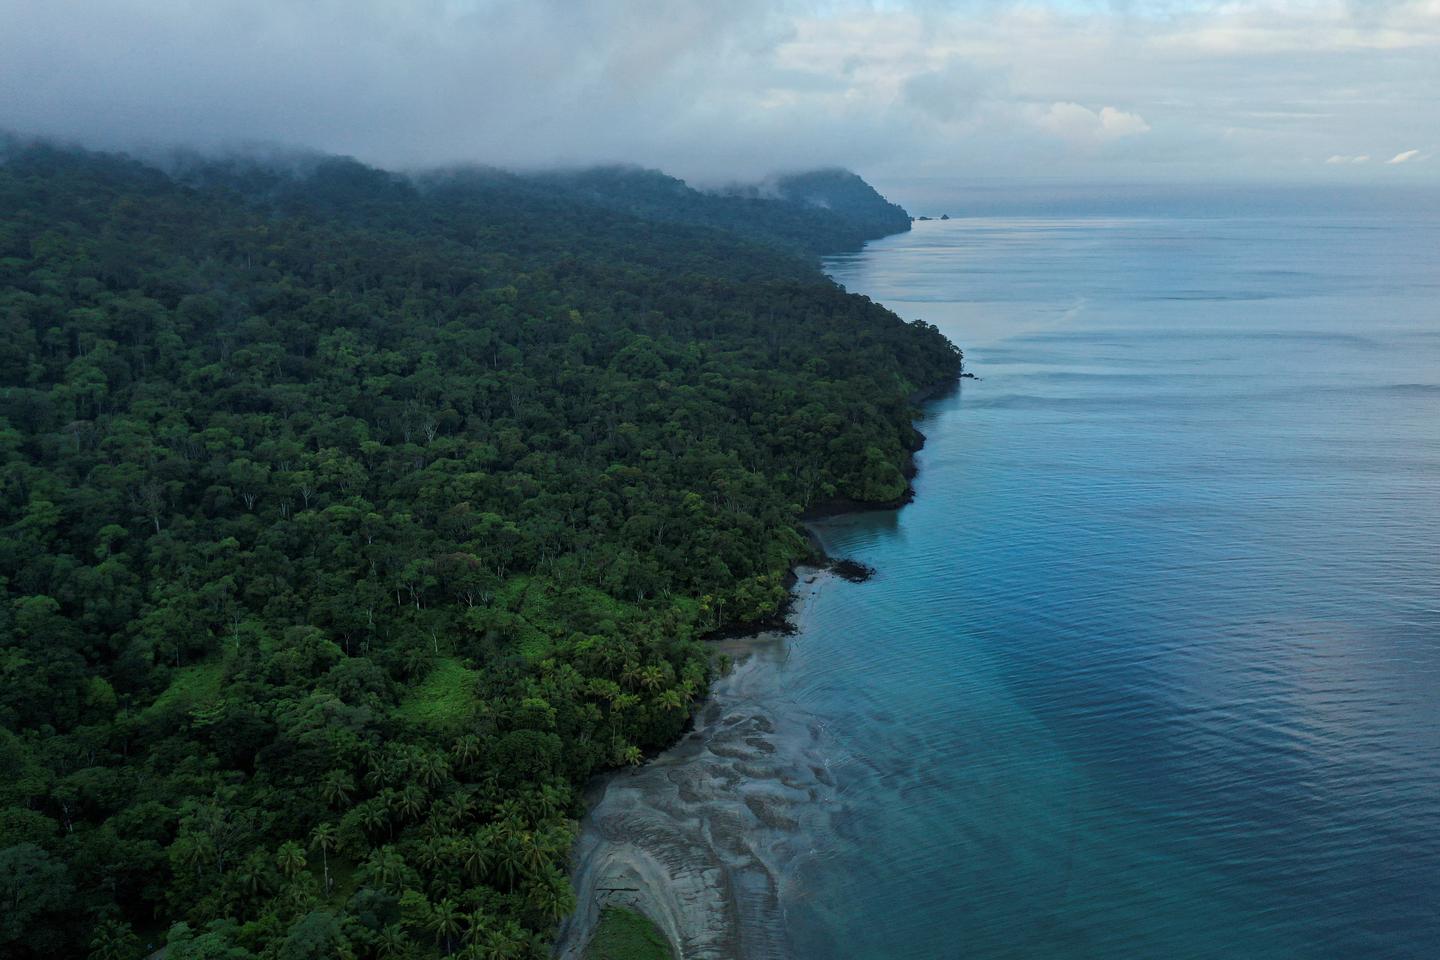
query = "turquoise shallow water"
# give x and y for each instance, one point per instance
(1151, 667)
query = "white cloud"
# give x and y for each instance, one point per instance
(1118, 123)
(719, 90)
(1080, 125)
(1405, 157)
(1338, 160)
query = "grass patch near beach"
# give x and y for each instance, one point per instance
(626, 935)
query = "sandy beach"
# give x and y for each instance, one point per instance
(704, 838)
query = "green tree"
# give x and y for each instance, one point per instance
(326, 839)
(445, 922)
(114, 940)
(32, 886)
(290, 858)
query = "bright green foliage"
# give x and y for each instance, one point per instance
(445, 700)
(192, 688)
(349, 522)
(626, 935)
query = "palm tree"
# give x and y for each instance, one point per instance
(459, 806)
(669, 699)
(290, 858)
(509, 861)
(466, 749)
(477, 926)
(324, 838)
(652, 677)
(532, 853)
(392, 942)
(547, 802)
(196, 850)
(436, 824)
(551, 895)
(433, 769)
(251, 874)
(383, 771)
(336, 787)
(412, 800)
(433, 853)
(509, 816)
(478, 855)
(507, 943)
(386, 866)
(557, 838)
(415, 661)
(444, 922)
(114, 940)
(372, 815)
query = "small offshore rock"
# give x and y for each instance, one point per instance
(852, 570)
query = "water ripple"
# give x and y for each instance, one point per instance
(1151, 667)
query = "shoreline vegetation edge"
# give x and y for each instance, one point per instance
(641, 850)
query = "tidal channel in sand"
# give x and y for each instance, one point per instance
(705, 838)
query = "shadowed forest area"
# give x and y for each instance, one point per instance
(350, 521)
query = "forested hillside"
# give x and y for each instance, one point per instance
(825, 211)
(349, 522)
(835, 194)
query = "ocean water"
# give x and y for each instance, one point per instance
(1151, 666)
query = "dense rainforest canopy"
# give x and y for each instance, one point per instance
(350, 521)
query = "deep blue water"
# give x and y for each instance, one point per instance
(1151, 667)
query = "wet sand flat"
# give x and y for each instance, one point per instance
(703, 838)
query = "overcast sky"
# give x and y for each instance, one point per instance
(1177, 90)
